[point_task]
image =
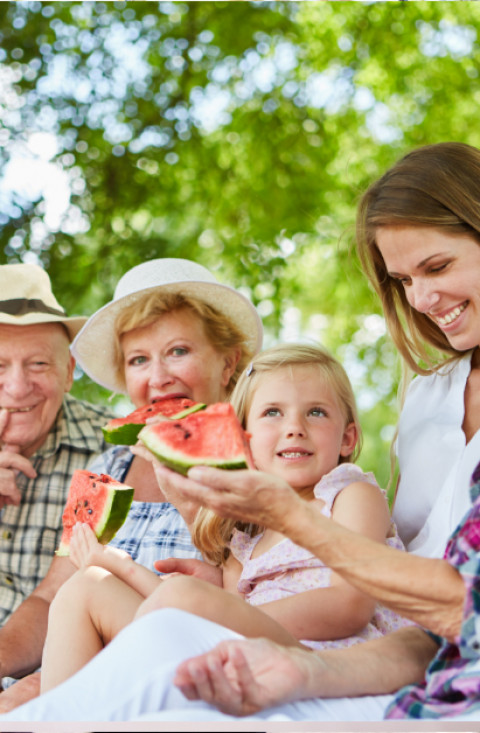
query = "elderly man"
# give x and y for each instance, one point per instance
(45, 433)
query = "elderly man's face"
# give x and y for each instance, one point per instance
(36, 369)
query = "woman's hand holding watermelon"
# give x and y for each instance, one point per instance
(245, 494)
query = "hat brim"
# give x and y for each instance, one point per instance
(94, 346)
(73, 324)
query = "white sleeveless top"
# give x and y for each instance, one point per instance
(434, 460)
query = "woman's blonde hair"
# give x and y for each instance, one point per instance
(435, 186)
(222, 334)
(210, 533)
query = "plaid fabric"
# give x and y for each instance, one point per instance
(152, 531)
(30, 533)
(452, 681)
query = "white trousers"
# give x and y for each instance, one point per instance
(131, 680)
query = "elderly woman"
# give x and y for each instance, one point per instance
(171, 329)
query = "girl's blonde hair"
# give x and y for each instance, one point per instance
(211, 533)
(434, 186)
(222, 334)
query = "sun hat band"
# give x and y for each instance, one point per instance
(22, 306)
(93, 348)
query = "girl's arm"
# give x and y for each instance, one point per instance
(86, 550)
(339, 610)
(231, 572)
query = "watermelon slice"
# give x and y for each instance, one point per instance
(212, 437)
(124, 430)
(97, 500)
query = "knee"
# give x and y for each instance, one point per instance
(181, 591)
(77, 589)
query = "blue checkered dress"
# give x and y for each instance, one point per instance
(152, 531)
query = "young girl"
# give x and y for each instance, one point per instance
(297, 403)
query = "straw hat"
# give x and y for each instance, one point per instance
(27, 298)
(93, 348)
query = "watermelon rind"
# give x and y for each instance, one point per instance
(127, 434)
(226, 444)
(123, 435)
(115, 511)
(178, 462)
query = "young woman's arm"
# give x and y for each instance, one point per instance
(324, 613)
(243, 677)
(428, 591)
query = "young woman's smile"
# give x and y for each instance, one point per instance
(439, 273)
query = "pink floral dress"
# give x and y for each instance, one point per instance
(286, 568)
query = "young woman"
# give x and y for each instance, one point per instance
(418, 237)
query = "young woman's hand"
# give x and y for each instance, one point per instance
(247, 495)
(243, 677)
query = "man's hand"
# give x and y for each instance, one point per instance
(22, 691)
(243, 677)
(191, 566)
(11, 463)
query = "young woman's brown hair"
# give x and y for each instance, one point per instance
(434, 186)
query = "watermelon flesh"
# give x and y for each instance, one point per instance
(124, 430)
(212, 437)
(97, 500)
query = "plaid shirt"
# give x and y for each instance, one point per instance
(452, 681)
(30, 533)
(152, 530)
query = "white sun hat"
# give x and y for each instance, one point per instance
(26, 299)
(94, 346)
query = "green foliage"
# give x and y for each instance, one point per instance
(237, 134)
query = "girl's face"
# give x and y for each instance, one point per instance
(174, 357)
(298, 427)
(440, 273)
